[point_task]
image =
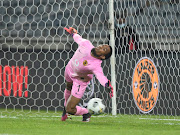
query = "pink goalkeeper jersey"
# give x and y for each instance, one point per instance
(82, 65)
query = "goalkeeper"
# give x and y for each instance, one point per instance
(79, 71)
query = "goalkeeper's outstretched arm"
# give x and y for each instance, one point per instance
(104, 81)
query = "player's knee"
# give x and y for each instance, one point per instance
(70, 109)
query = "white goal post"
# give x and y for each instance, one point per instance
(143, 69)
(112, 43)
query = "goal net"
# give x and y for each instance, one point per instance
(34, 50)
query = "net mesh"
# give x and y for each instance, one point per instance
(35, 50)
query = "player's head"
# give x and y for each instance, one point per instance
(102, 52)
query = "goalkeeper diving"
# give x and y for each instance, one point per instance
(85, 62)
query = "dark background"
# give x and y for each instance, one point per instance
(46, 82)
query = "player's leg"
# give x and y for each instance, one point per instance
(77, 92)
(71, 105)
(69, 83)
(67, 91)
(76, 95)
(74, 109)
(67, 94)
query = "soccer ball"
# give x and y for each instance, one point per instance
(95, 106)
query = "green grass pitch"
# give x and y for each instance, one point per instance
(20, 123)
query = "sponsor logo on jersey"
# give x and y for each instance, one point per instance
(85, 62)
(145, 85)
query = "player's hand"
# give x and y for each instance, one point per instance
(71, 30)
(109, 88)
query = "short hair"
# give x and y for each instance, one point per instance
(107, 56)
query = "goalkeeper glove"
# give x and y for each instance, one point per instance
(109, 88)
(71, 30)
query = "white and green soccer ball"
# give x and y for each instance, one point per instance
(95, 106)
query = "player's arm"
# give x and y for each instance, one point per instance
(103, 80)
(77, 38)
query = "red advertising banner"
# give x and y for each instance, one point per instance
(12, 79)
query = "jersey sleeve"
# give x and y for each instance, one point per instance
(79, 40)
(100, 76)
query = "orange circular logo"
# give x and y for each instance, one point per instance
(145, 85)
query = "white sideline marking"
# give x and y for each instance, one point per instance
(160, 119)
(8, 117)
(14, 117)
(9, 134)
(168, 123)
